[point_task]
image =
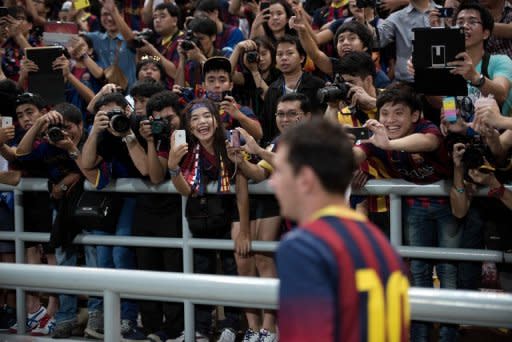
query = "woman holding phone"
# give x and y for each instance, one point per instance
(200, 162)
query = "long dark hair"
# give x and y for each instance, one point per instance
(289, 13)
(219, 137)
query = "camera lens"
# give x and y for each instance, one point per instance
(120, 123)
(55, 134)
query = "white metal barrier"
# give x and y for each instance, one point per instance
(395, 188)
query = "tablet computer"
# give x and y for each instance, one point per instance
(433, 48)
(46, 82)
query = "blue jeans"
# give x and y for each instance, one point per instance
(68, 303)
(434, 226)
(120, 257)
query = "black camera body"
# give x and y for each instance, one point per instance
(445, 12)
(189, 41)
(55, 133)
(338, 90)
(146, 34)
(252, 56)
(160, 128)
(119, 122)
(367, 3)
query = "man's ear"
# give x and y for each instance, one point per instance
(307, 179)
(487, 34)
(416, 116)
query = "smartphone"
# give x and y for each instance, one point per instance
(6, 121)
(180, 137)
(226, 93)
(445, 12)
(264, 5)
(450, 110)
(4, 12)
(359, 132)
(234, 138)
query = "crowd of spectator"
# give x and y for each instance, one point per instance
(198, 92)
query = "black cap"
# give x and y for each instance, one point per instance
(217, 63)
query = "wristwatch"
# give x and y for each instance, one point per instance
(479, 83)
(129, 138)
(74, 155)
(174, 172)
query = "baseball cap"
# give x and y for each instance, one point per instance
(217, 63)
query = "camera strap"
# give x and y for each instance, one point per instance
(485, 64)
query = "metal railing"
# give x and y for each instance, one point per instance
(394, 188)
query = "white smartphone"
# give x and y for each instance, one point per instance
(6, 121)
(180, 137)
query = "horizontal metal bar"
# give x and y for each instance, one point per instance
(458, 254)
(462, 307)
(372, 187)
(434, 305)
(259, 246)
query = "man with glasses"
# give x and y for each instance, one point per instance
(486, 74)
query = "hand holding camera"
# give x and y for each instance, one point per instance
(229, 105)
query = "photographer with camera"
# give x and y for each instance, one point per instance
(413, 149)
(197, 46)
(484, 220)
(159, 215)
(64, 136)
(253, 62)
(112, 140)
(352, 97)
(166, 17)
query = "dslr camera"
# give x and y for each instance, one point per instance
(189, 41)
(338, 90)
(55, 133)
(160, 128)
(252, 56)
(119, 122)
(367, 3)
(146, 34)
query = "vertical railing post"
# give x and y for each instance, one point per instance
(188, 267)
(19, 245)
(112, 315)
(395, 218)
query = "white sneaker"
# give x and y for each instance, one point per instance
(267, 336)
(46, 326)
(227, 335)
(251, 336)
(32, 321)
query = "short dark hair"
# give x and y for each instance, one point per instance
(162, 100)
(171, 8)
(203, 25)
(30, 98)
(485, 16)
(69, 112)
(357, 63)
(117, 98)
(146, 88)
(305, 104)
(150, 60)
(288, 38)
(323, 146)
(208, 5)
(399, 93)
(9, 92)
(365, 36)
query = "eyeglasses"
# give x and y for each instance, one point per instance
(470, 22)
(291, 114)
(155, 59)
